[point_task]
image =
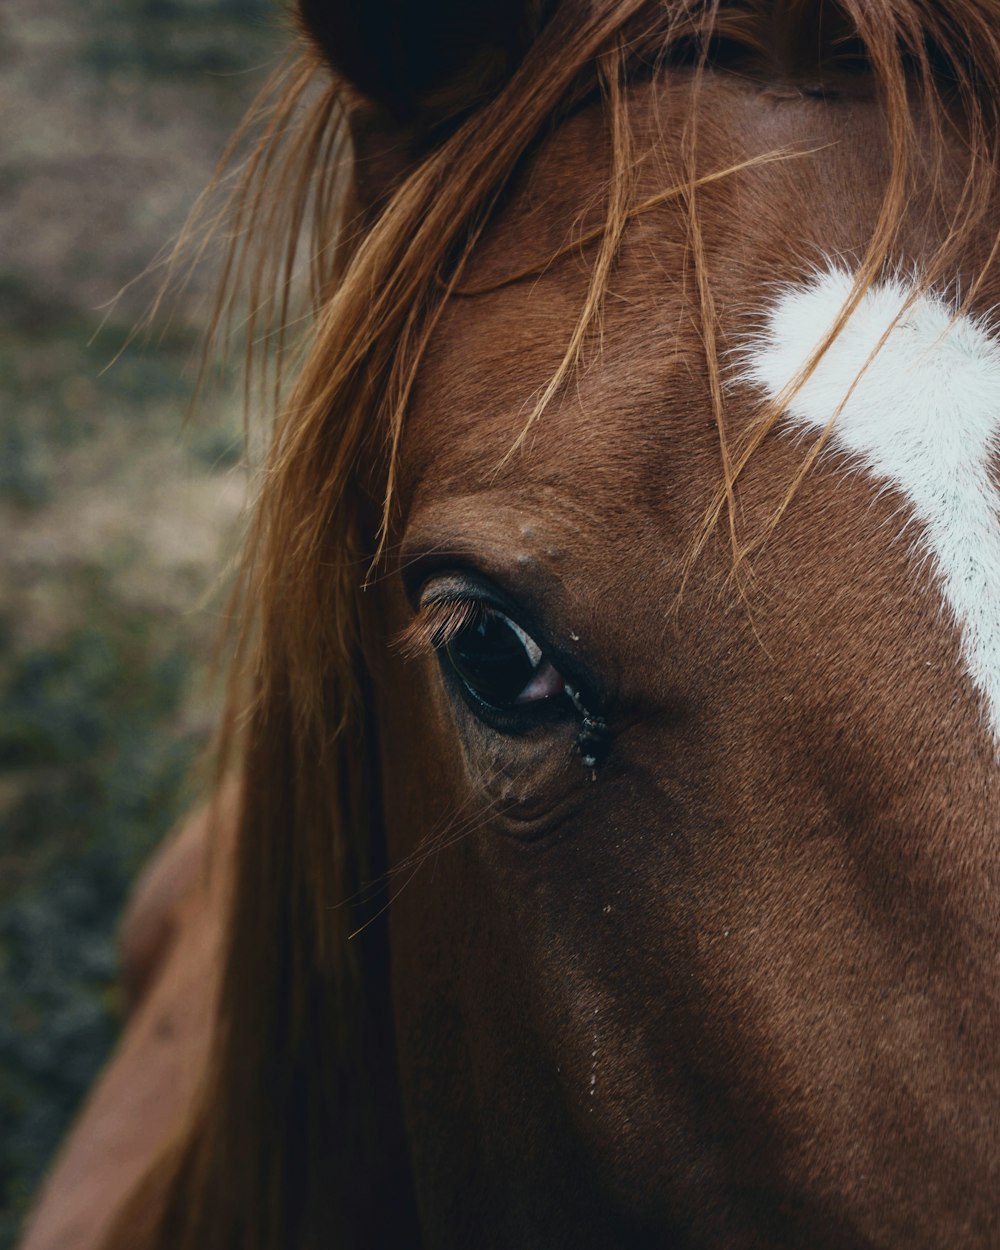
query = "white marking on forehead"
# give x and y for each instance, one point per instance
(923, 416)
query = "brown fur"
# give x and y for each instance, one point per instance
(741, 991)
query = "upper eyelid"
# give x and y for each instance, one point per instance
(431, 577)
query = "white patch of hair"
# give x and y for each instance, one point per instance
(912, 389)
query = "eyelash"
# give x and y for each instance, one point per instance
(438, 622)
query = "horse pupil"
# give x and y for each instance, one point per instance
(492, 661)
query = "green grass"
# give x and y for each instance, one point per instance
(153, 38)
(114, 514)
(94, 768)
(102, 703)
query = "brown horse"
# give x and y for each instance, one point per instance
(617, 856)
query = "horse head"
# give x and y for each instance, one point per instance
(618, 863)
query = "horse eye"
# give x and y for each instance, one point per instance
(500, 664)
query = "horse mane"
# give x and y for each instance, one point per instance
(297, 1136)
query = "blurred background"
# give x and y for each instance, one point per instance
(117, 518)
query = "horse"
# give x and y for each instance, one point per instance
(613, 855)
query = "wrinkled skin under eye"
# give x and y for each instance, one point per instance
(500, 664)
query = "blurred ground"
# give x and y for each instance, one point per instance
(116, 519)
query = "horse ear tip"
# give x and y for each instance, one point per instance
(418, 68)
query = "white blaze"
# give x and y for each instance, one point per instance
(923, 416)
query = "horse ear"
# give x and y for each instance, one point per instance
(426, 63)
